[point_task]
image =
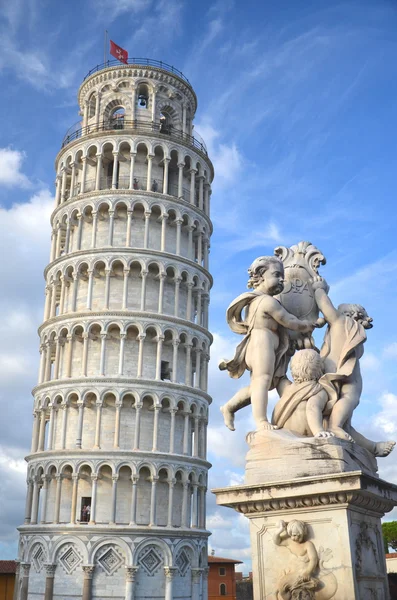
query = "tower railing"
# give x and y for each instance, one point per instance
(76, 132)
(141, 62)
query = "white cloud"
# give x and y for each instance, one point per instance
(391, 350)
(226, 158)
(370, 362)
(386, 419)
(11, 165)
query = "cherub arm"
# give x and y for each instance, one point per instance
(329, 311)
(280, 538)
(284, 318)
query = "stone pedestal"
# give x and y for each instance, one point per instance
(341, 510)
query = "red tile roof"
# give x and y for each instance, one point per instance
(217, 559)
(392, 555)
(7, 567)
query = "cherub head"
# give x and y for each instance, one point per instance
(306, 365)
(297, 531)
(358, 313)
(267, 274)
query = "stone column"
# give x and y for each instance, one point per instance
(107, 288)
(153, 500)
(198, 368)
(185, 517)
(42, 428)
(184, 118)
(75, 479)
(29, 498)
(36, 429)
(16, 584)
(165, 179)
(44, 490)
(57, 507)
(155, 428)
(134, 480)
(205, 583)
(103, 352)
(67, 237)
(64, 425)
(25, 581)
(63, 185)
(133, 104)
(175, 346)
(195, 512)
(190, 249)
(72, 179)
(196, 436)
(171, 484)
(58, 180)
(146, 233)
(192, 185)
(111, 227)
(149, 173)
(83, 174)
(98, 171)
(80, 423)
(94, 228)
(90, 288)
(132, 165)
(206, 198)
(51, 425)
(63, 292)
(180, 179)
(116, 441)
(97, 109)
(143, 289)
(114, 499)
(87, 582)
(170, 573)
(94, 486)
(79, 230)
(190, 287)
(173, 412)
(126, 273)
(85, 354)
(47, 302)
(99, 405)
(130, 578)
(47, 374)
(162, 277)
(178, 235)
(160, 340)
(59, 241)
(69, 353)
(196, 579)
(49, 581)
(115, 169)
(76, 277)
(188, 374)
(35, 502)
(164, 218)
(141, 338)
(186, 432)
(201, 192)
(121, 354)
(138, 407)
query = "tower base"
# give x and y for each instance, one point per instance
(342, 513)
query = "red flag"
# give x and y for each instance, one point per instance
(118, 52)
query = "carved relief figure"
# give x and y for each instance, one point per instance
(310, 581)
(264, 347)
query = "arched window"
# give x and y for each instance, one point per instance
(91, 106)
(165, 123)
(117, 118)
(222, 589)
(143, 96)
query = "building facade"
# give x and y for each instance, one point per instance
(117, 473)
(222, 578)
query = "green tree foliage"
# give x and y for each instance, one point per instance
(389, 531)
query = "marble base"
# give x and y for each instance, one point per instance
(342, 512)
(279, 455)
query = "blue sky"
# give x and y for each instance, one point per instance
(297, 106)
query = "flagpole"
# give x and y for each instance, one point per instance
(105, 46)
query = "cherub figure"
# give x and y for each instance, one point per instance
(293, 535)
(264, 347)
(341, 352)
(303, 402)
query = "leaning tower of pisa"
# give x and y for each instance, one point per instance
(117, 472)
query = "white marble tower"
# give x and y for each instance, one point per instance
(121, 406)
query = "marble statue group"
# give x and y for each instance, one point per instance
(277, 319)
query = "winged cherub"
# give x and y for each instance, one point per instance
(263, 350)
